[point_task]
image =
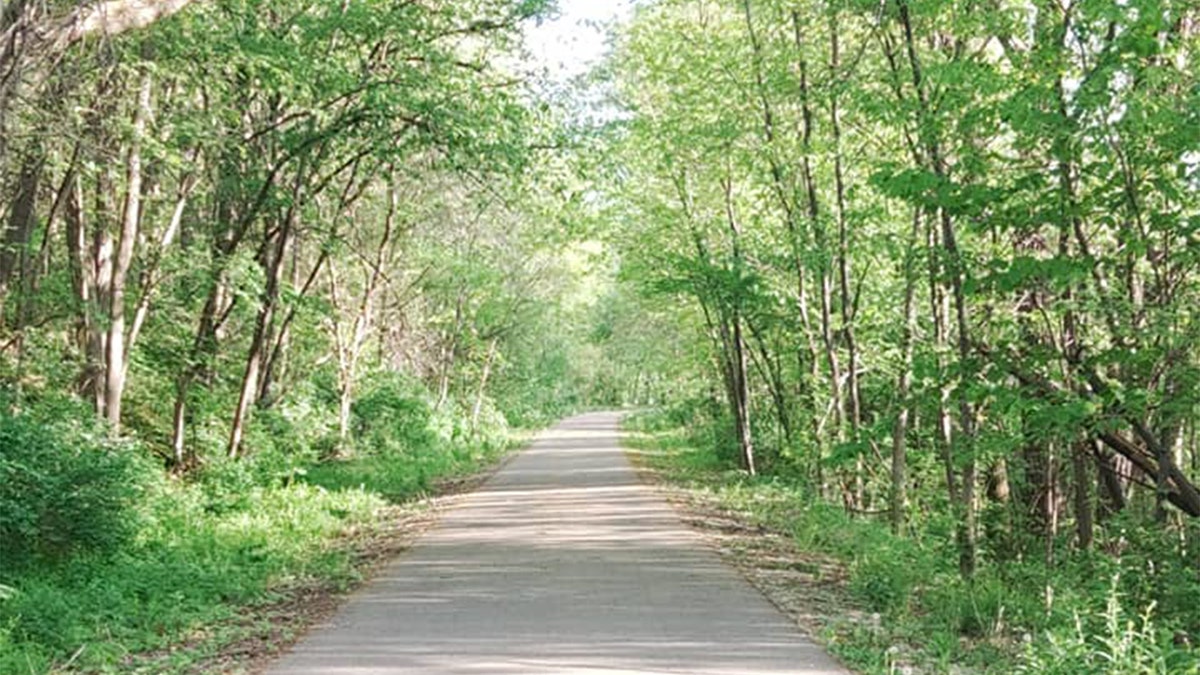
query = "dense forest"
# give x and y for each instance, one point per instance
(257, 254)
(932, 266)
(936, 262)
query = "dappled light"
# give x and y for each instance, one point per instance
(562, 563)
(900, 300)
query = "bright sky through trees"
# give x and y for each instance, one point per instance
(930, 268)
(576, 38)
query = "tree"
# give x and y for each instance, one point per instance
(1010, 168)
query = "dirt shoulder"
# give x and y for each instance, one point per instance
(809, 588)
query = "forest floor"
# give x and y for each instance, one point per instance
(751, 527)
(812, 589)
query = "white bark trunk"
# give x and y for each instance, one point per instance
(116, 354)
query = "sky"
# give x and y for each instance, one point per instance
(576, 39)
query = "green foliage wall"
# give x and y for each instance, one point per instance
(65, 489)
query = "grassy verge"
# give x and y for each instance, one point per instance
(225, 570)
(886, 604)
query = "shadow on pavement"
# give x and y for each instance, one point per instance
(562, 563)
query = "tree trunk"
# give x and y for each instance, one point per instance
(1165, 456)
(845, 300)
(899, 491)
(1051, 506)
(940, 310)
(21, 221)
(345, 410)
(1114, 472)
(813, 210)
(203, 346)
(101, 254)
(772, 373)
(967, 529)
(740, 364)
(262, 325)
(1084, 514)
(114, 387)
(273, 366)
(784, 189)
(450, 352)
(745, 435)
(481, 390)
(83, 282)
(350, 348)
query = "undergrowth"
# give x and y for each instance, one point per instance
(171, 565)
(1089, 613)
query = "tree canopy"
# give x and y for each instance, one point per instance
(936, 262)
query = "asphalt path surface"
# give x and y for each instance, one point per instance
(563, 562)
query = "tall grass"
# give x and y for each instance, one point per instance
(1090, 612)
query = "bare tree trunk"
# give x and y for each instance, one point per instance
(341, 345)
(745, 435)
(21, 221)
(450, 352)
(772, 373)
(741, 373)
(899, 493)
(968, 544)
(725, 328)
(345, 399)
(846, 299)
(236, 224)
(274, 356)
(1168, 440)
(1050, 506)
(813, 209)
(263, 323)
(350, 347)
(83, 280)
(940, 310)
(115, 369)
(481, 390)
(273, 366)
(102, 251)
(1113, 481)
(785, 191)
(1084, 514)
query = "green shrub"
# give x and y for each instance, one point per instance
(1067, 612)
(118, 560)
(885, 578)
(1159, 566)
(65, 490)
(652, 421)
(452, 425)
(306, 419)
(189, 567)
(393, 415)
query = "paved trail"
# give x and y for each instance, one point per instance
(561, 563)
